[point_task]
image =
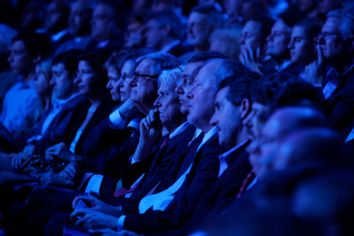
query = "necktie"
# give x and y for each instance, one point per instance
(250, 177)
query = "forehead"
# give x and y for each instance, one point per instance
(196, 17)
(298, 31)
(221, 95)
(19, 45)
(145, 66)
(331, 25)
(279, 25)
(252, 26)
(191, 67)
(127, 67)
(167, 87)
(59, 67)
(206, 74)
(84, 64)
(103, 10)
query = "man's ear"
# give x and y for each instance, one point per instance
(246, 107)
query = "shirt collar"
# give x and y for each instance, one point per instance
(232, 150)
(169, 46)
(179, 130)
(208, 136)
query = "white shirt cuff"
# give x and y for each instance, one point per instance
(117, 120)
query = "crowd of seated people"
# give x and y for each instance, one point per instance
(178, 117)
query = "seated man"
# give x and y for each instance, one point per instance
(165, 208)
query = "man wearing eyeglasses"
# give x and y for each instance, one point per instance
(334, 67)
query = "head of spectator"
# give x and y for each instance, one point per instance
(133, 36)
(262, 96)
(41, 79)
(280, 124)
(189, 73)
(144, 84)
(308, 7)
(120, 69)
(6, 34)
(165, 5)
(225, 41)
(232, 106)
(64, 67)
(202, 21)
(302, 48)
(232, 9)
(79, 18)
(313, 148)
(167, 102)
(104, 22)
(161, 29)
(57, 15)
(336, 38)
(326, 202)
(27, 50)
(254, 33)
(279, 38)
(325, 6)
(205, 86)
(91, 78)
(251, 9)
(33, 15)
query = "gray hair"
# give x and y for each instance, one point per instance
(173, 76)
(164, 61)
(227, 69)
(346, 18)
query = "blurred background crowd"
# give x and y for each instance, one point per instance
(176, 117)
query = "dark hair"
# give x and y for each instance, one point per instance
(291, 16)
(96, 61)
(117, 59)
(298, 93)
(266, 24)
(70, 60)
(311, 26)
(205, 56)
(214, 15)
(168, 18)
(240, 86)
(38, 45)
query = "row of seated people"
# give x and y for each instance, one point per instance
(184, 164)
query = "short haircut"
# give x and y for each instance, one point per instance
(173, 76)
(70, 60)
(346, 18)
(168, 18)
(266, 24)
(205, 56)
(311, 26)
(214, 16)
(163, 61)
(38, 45)
(298, 93)
(240, 86)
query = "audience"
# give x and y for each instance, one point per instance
(176, 117)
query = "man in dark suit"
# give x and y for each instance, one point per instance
(335, 61)
(170, 208)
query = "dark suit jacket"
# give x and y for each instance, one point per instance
(163, 161)
(225, 190)
(64, 126)
(203, 173)
(340, 105)
(179, 50)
